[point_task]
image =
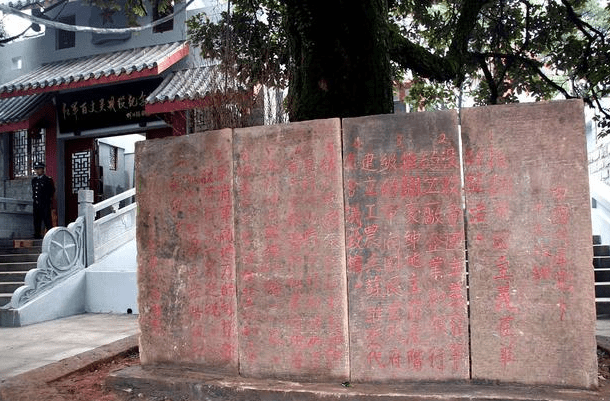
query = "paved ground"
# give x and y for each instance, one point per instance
(25, 348)
(54, 349)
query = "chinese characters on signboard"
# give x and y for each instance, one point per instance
(132, 106)
(105, 106)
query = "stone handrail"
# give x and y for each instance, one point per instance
(65, 251)
(114, 202)
(20, 204)
(107, 233)
(63, 254)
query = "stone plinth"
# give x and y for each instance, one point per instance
(173, 382)
(186, 253)
(529, 244)
(405, 248)
(291, 282)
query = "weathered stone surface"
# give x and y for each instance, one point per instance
(171, 382)
(291, 282)
(529, 244)
(186, 253)
(405, 248)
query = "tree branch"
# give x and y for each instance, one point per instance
(580, 24)
(412, 56)
(533, 65)
(417, 58)
(491, 83)
(599, 104)
(465, 24)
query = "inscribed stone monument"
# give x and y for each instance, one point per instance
(529, 244)
(186, 252)
(253, 242)
(291, 283)
(405, 248)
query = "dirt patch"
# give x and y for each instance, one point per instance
(603, 367)
(89, 384)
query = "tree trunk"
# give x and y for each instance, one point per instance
(341, 58)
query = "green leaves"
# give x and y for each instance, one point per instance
(249, 41)
(496, 51)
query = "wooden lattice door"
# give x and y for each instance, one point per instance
(80, 173)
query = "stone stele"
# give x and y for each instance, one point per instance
(186, 252)
(532, 299)
(291, 284)
(405, 248)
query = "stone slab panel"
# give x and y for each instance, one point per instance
(186, 252)
(292, 302)
(405, 248)
(529, 244)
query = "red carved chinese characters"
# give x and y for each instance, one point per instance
(529, 239)
(187, 269)
(405, 249)
(290, 235)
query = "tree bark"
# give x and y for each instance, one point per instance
(341, 58)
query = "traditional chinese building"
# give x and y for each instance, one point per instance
(61, 91)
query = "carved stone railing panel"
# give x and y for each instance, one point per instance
(116, 226)
(114, 230)
(63, 254)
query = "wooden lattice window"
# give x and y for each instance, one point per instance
(81, 170)
(28, 147)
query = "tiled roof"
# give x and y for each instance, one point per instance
(189, 84)
(190, 88)
(99, 69)
(17, 109)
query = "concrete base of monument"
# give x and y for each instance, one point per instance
(179, 382)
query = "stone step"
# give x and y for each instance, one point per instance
(10, 286)
(14, 251)
(602, 305)
(19, 257)
(27, 243)
(5, 299)
(602, 274)
(601, 261)
(15, 276)
(19, 266)
(601, 250)
(602, 290)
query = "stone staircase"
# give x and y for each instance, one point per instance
(16, 258)
(601, 266)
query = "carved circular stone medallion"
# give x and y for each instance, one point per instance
(63, 250)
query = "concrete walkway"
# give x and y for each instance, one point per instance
(25, 348)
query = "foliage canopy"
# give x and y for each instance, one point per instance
(492, 51)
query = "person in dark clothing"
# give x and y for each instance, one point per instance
(43, 190)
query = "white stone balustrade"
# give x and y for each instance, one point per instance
(66, 251)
